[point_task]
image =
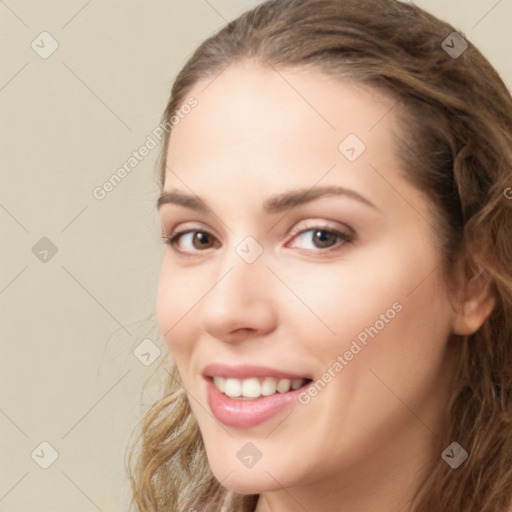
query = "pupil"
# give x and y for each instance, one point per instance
(323, 238)
(201, 239)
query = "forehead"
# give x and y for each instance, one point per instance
(255, 125)
(292, 100)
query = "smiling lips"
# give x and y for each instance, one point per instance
(246, 396)
(254, 388)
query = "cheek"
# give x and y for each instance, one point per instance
(387, 302)
(335, 303)
(402, 357)
(175, 302)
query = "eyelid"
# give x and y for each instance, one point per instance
(320, 224)
(187, 227)
(300, 228)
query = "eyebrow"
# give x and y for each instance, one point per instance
(274, 204)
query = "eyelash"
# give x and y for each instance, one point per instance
(345, 237)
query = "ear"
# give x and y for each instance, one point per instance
(476, 297)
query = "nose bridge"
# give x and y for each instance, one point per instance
(243, 269)
(240, 297)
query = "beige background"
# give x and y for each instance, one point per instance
(70, 324)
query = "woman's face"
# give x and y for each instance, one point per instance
(343, 289)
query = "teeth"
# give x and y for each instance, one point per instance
(284, 385)
(251, 388)
(220, 383)
(233, 387)
(297, 383)
(268, 386)
(254, 387)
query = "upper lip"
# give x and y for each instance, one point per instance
(245, 371)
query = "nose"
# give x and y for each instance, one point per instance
(240, 302)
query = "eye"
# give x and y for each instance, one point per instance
(321, 238)
(198, 239)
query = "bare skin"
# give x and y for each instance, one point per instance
(362, 443)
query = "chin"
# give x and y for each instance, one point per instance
(246, 486)
(248, 480)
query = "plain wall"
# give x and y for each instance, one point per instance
(70, 321)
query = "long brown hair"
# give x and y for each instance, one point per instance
(456, 145)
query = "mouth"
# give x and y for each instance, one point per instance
(246, 396)
(254, 388)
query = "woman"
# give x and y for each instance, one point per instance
(336, 288)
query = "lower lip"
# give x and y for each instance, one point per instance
(247, 413)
